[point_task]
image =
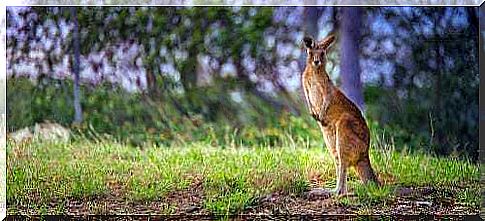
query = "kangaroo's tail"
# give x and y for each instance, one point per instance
(365, 171)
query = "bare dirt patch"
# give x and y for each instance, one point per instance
(406, 201)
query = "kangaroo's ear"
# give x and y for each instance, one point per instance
(326, 42)
(309, 42)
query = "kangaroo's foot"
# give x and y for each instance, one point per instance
(341, 188)
(342, 191)
(319, 193)
(340, 194)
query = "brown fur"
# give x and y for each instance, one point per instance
(343, 127)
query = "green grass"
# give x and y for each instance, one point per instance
(232, 177)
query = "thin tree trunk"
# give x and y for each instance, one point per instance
(310, 28)
(77, 98)
(481, 53)
(152, 86)
(440, 141)
(440, 137)
(349, 65)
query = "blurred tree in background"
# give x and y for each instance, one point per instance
(179, 74)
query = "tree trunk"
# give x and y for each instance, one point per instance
(440, 136)
(349, 64)
(310, 28)
(152, 86)
(77, 102)
(481, 53)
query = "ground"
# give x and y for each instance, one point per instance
(111, 178)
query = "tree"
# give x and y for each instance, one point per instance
(75, 69)
(349, 49)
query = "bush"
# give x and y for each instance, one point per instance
(139, 119)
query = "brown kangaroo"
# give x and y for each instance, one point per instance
(343, 127)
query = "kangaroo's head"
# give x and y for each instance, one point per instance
(317, 51)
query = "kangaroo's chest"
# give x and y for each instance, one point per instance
(316, 93)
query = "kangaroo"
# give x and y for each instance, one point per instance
(342, 124)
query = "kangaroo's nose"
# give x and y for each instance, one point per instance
(317, 62)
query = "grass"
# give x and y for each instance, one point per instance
(232, 178)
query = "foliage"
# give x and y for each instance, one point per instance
(136, 119)
(431, 100)
(194, 73)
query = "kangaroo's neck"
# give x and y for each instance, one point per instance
(317, 74)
